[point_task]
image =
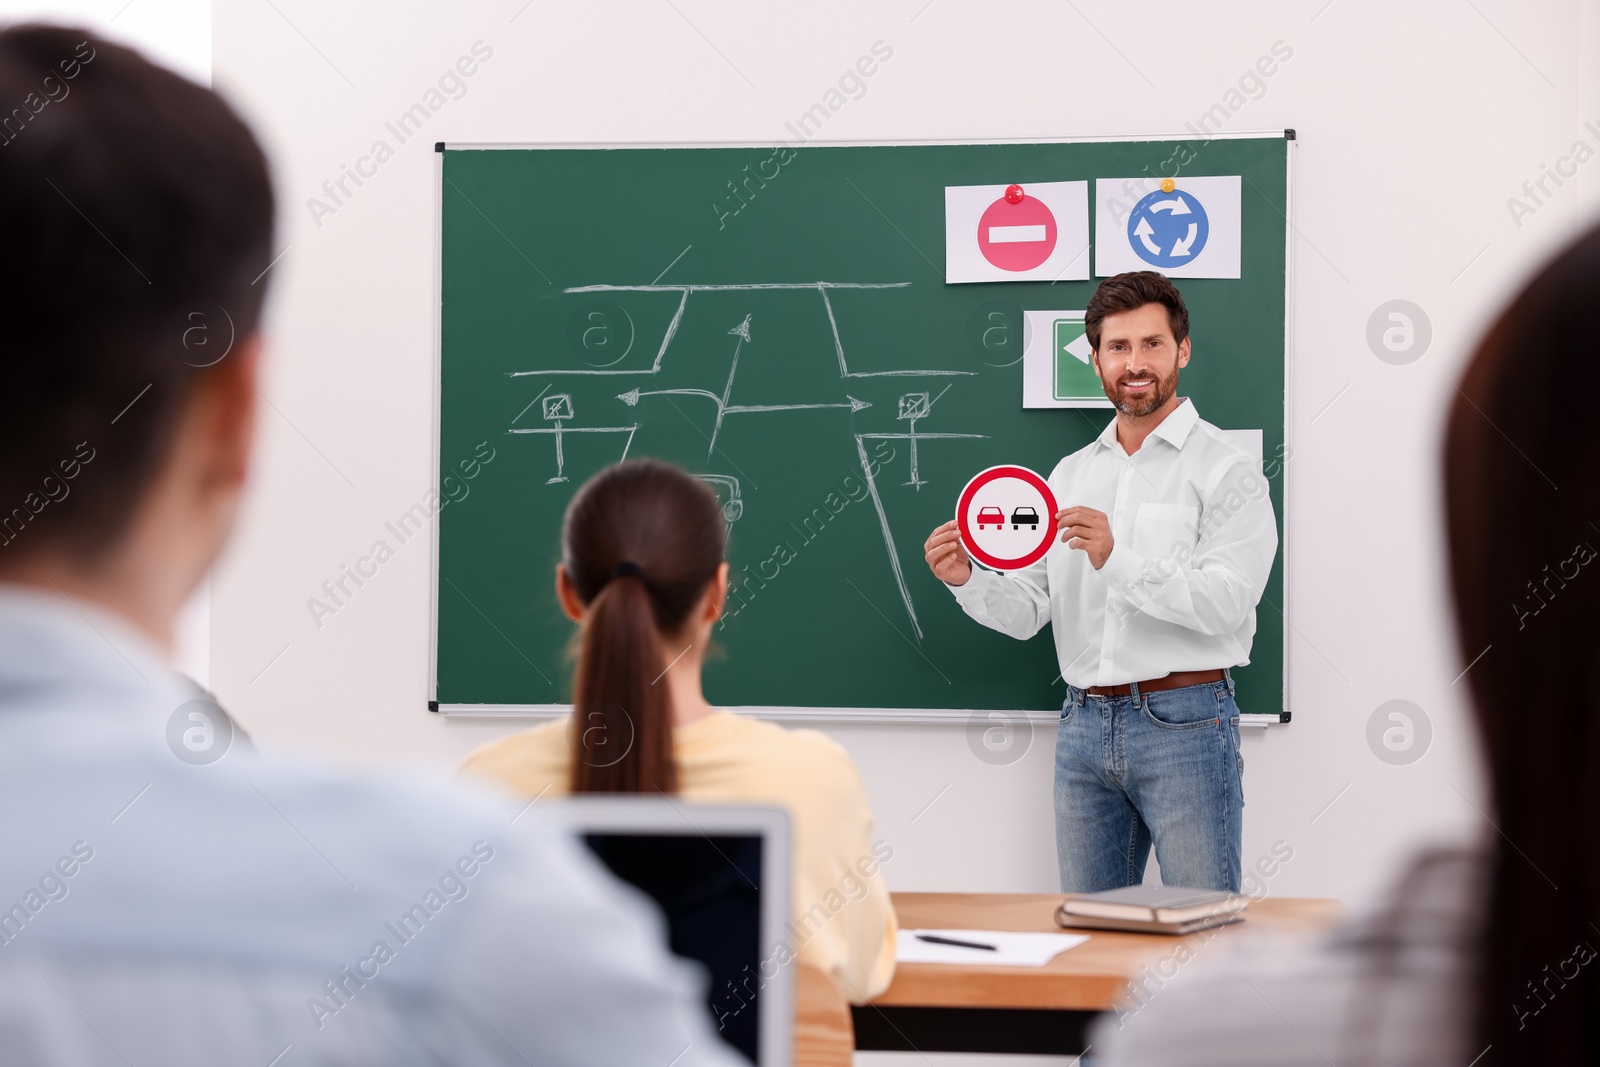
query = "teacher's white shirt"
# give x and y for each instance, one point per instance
(1194, 538)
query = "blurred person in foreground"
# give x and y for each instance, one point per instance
(165, 897)
(1480, 955)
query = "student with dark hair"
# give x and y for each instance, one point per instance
(1481, 955)
(1167, 538)
(643, 574)
(165, 896)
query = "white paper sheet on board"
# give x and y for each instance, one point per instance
(1045, 237)
(1056, 369)
(1194, 231)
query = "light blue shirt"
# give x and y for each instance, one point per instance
(158, 910)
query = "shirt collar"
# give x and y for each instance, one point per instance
(47, 638)
(1174, 429)
(1108, 436)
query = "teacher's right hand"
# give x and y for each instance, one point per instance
(947, 556)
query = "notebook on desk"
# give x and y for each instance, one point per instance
(1154, 909)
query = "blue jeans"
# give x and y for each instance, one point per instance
(1162, 767)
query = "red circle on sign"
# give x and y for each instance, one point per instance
(964, 506)
(1017, 236)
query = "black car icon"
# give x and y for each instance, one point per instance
(1023, 516)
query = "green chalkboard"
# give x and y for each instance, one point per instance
(593, 302)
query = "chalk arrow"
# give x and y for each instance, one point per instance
(1181, 248)
(1143, 232)
(1177, 207)
(856, 405)
(630, 398)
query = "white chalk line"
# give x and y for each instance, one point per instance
(579, 429)
(687, 289)
(888, 537)
(677, 319)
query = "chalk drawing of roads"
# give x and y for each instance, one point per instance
(557, 411)
(822, 289)
(742, 331)
(913, 407)
(735, 506)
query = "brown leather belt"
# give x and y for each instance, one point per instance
(1175, 680)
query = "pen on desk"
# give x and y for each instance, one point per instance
(952, 941)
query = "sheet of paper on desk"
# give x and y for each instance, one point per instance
(1010, 949)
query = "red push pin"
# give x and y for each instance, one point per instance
(1013, 194)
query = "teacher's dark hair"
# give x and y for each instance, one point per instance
(1129, 292)
(1522, 495)
(641, 542)
(137, 213)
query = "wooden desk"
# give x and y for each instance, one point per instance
(947, 1008)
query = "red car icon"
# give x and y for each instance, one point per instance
(991, 517)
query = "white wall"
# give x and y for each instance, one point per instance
(1416, 122)
(174, 32)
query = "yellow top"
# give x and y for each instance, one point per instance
(843, 921)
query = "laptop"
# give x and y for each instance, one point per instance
(720, 874)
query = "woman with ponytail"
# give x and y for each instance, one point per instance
(643, 575)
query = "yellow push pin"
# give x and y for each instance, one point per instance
(1167, 185)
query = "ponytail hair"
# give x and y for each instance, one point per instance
(641, 542)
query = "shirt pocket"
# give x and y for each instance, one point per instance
(1165, 531)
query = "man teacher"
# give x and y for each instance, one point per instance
(1167, 537)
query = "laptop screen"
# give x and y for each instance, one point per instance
(709, 889)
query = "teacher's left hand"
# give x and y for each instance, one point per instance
(1089, 530)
